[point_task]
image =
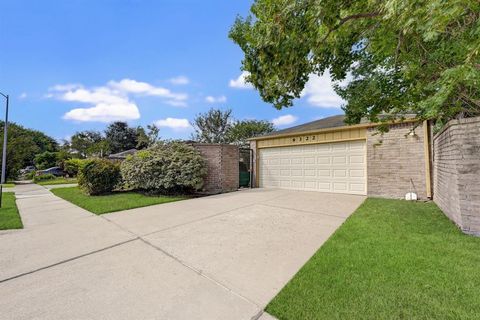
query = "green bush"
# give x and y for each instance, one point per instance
(46, 160)
(72, 166)
(43, 177)
(30, 175)
(173, 167)
(98, 176)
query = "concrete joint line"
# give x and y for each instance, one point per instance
(118, 225)
(44, 210)
(47, 203)
(305, 211)
(207, 217)
(26, 196)
(198, 220)
(67, 260)
(198, 271)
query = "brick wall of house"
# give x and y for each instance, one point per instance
(456, 173)
(396, 162)
(222, 167)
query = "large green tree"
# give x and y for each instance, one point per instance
(45, 160)
(22, 146)
(212, 126)
(121, 137)
(243, 130)
(400, 56)
(147, 138)
(217, 126)
(88, 143)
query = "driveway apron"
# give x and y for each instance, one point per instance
(217, 257)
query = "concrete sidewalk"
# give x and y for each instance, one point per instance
(38, 206)
(218, 257)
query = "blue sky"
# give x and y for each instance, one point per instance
(72, 65)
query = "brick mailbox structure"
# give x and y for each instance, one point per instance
(222, 167)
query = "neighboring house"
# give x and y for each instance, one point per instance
(330, 156)
(122, 155)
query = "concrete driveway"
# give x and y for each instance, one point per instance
(218, 257)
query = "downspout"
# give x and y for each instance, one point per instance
(427, 155)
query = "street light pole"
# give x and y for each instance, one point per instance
(5, 133)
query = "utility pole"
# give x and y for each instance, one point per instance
(5, 133)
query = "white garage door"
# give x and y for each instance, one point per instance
(331, 167)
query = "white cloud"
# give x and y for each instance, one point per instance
(111, 102)
(240, 83)
(219, 99)
(66, 87)
(97, 95)
(105, 112)
(137, 87)
(174, 123)
(319, 92)
(180, 80)
(22, 96)
(284, 120)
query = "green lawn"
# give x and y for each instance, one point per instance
(8, 185)
(113, 202)
(9, 217)
(57, 181)
(391, 259)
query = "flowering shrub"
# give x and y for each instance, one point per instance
(172, 167)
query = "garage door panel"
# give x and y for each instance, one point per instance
(309, 160)
(339, 147)
(296, 160)
(339, 173)
(357, 145)
(323, 148)
(324, 186)
(357, 173)
(322, 173)
(323, 160)
(332, 167)
(359, 187)
(357, 159)
(340, 186)
(336, 160)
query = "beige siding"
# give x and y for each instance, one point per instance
(314, 138)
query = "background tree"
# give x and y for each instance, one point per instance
(153, 134)
(212, 126)
(243, 130)
(87, 143)
(403, 56)
(147, 138)
(121, 137)
(142, 139)
(23, 145)
(45, 160)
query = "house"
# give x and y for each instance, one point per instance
(328, 155)
(122, 155)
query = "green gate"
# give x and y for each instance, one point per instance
(245, 166)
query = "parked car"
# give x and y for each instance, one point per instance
(27, 169)
(56, 171)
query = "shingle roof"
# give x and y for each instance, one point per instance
(328, 123)
(123, 154)
(325, 123)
